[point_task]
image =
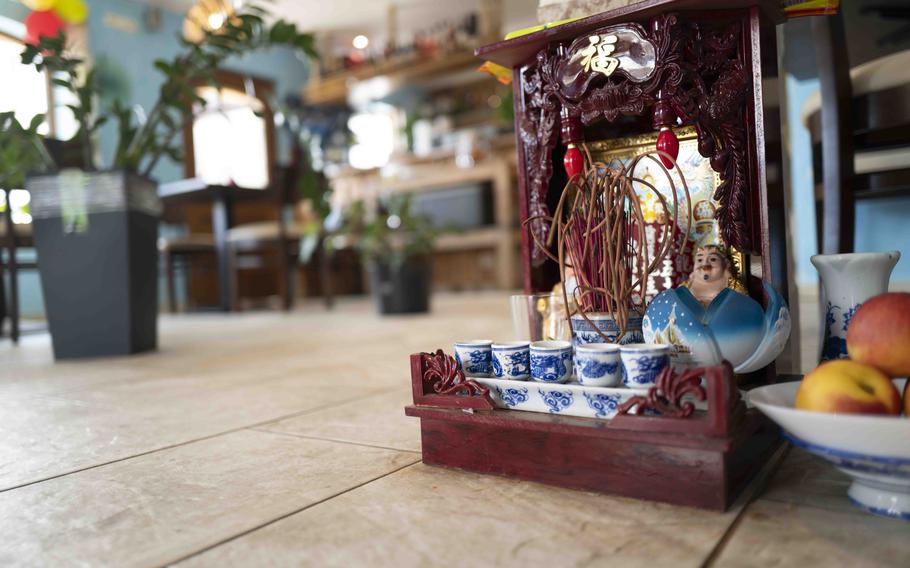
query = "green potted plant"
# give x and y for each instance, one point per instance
(396, 246)
(96, 230)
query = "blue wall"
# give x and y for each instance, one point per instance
(802, 205)
(881, 224)
(135, 53)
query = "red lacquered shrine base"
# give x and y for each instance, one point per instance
(684, 457)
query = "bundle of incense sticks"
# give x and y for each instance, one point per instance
(600, 237)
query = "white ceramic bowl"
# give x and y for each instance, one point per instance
(873, 450)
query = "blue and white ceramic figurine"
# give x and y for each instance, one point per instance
(641, 363)
(711, 319)
(598, 365)
(848, 280)
(512, 360)
(475, 357)
(551, 361)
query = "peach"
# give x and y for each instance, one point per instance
(848, 387)
(879, 334)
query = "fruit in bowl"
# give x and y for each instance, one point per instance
(848, 387)
(872, 449)
(879, 333)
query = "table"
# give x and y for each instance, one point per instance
(222, 198)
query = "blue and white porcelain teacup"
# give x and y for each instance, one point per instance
(642, 362)
(551, 361)
(598, 365)
(475, 357)
(512, 360)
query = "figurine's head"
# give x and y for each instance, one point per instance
(713, 264)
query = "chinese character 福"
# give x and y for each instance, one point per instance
(597, 55)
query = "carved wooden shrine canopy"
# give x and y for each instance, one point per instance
(683, 62)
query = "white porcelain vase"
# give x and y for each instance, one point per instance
(848, 280)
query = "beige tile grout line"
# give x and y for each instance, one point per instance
(753, 493)
(284, 516)
(188, 442)
(324, 439)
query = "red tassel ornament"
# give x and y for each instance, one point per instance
(574, 162)
(666, 142)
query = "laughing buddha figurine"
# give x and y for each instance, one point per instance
(710, 318)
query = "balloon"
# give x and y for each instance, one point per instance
(39, 5)
(72, 11)
(39, 24)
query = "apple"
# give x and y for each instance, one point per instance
(879, 333)
(848, 387)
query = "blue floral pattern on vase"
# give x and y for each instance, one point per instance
(556, 401)
(835, 342)
(594, 369)
(602, 404)
(549, 368)
(512, 396)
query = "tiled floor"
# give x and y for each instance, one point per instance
(280, 439)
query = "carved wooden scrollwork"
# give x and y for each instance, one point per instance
(442, 375)
(537, 130)
(666, 398)
(699, 72)
(722, 83)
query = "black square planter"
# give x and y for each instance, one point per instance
(402, 288)
(100, 281)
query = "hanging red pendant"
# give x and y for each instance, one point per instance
(574, 163)
(669, 143)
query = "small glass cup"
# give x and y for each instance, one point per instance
(539, 317)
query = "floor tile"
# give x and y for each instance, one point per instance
(427, 516)
(50, 436)
(804, 479)
(154, 509)
(377, 420)
(786, 534)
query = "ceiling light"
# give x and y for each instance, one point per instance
(361, 41)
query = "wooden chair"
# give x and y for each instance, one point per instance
(12, 238)
(180, 253)
(860, 128)
(274, 243)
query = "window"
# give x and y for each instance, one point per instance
(24, 90)
(20, 200)
(231, 138)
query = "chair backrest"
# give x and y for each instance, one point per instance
(877, 131)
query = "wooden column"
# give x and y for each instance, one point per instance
(837, 134)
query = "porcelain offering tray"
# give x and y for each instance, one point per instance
(873, 450)
(570, 399)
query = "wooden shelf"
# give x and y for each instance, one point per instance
(436, 71)
(430, 177)
(427, 175)
(484, 238)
